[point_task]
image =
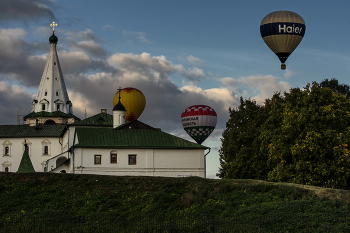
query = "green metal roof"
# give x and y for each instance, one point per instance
(26, 164)
(50, 114)
(101, 119)
(88, 133)
(20, 131)
(134, 138)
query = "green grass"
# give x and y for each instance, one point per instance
(45, 194)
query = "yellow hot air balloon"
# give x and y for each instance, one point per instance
(133, 100)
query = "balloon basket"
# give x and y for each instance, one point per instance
(283, 66)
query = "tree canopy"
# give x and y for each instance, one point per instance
(300, 137)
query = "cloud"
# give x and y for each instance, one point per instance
(15, 62)
(13, 98)
(129, 35)
(88, 34)
(85, 41)
(23, 10)
(194, 60)
(289, 74)
(109, 27)
(158, 66)
(261, 86)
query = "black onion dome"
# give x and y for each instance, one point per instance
(53, 38)
(119, 107)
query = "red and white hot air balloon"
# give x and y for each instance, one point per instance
(199, 122)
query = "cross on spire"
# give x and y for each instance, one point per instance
(53, 25)
(120, 89)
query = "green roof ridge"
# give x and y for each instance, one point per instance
(50, 114)
(26, 165)
(100, 119)
(136, 138)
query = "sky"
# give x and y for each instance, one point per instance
(178, 53)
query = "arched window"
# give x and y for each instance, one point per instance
(6, 169)
(56, 92)
(45, 92)
(114, 157)
(7, 150)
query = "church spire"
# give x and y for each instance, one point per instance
(26, 164)
(52, 98)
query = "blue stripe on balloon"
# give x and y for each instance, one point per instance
(282, 28)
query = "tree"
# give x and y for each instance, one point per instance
(239, 153)
(336, 87)
(300, 137)
(311, 144)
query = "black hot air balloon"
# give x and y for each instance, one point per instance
(282, 31)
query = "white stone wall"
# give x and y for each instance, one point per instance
(149, 162)
(36, 152)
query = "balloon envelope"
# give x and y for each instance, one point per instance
(199, 122)
(133, 100)
(282, 32)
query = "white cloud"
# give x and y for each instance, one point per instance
(110, 27)
(146, 64)
(141, 36)
(289, 74)
(222, 95)
(260, 86)
(194, 60)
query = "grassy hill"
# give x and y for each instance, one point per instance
(44, 194)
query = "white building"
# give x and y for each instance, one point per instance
(102, 144)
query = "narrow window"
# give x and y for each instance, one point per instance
(43, 107)
(56, 93)
(54, 63)
(97, 159)
(132, 159)
(7, 150)
(6, 169)
(114, 158)
(58, 107)
(45, 93)
(46, 150)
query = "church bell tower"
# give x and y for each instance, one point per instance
(52, 104)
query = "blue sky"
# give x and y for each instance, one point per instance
(178, 53)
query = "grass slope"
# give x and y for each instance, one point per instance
(40, 194)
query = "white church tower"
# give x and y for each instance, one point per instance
(52, 104)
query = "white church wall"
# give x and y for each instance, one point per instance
(149, 162)
(36, 148)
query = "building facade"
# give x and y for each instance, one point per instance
(57, 141)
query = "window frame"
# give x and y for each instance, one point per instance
(43, 107)
(130, 157)
(46, 150)
(7, 151)
(116, 157)
(95, 159)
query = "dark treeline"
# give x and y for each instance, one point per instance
(302, 136)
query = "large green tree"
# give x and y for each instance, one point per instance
(240, 152)
(300, 137)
